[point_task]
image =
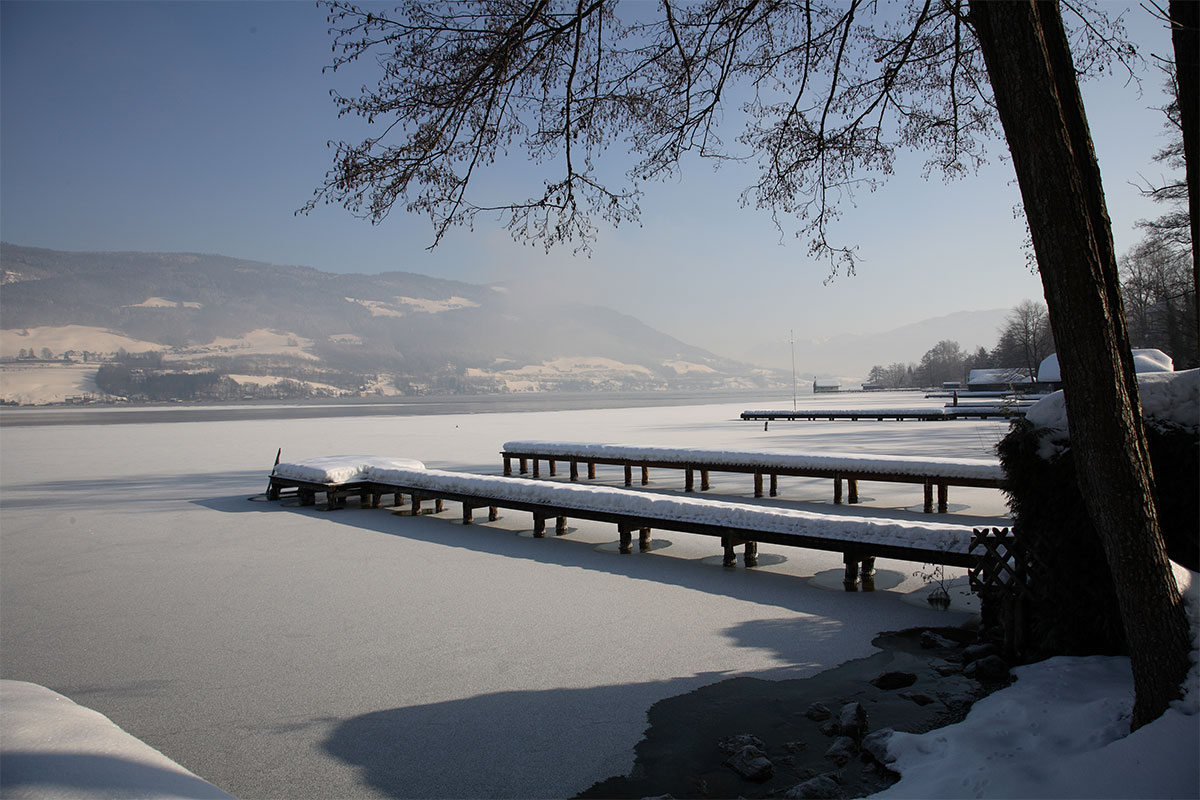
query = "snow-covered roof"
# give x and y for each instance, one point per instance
(339, 469)
(827, 382)
(849, 462)
(1144, 360)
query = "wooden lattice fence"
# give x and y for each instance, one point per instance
(1005, 580)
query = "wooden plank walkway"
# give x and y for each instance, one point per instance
(930, 473)
(860, 539)
(882, 414)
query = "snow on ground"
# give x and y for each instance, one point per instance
(34, 383)
(55, 747)
(60, 339)
(1061, 730)
(280, 651)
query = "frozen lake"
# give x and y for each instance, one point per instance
(284, 651)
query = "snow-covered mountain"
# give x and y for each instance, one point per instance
(392, 332)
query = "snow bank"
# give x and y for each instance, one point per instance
(1171, 398)
(850, 462)
(688, 509)
(1146, 360)
(1061, 730)
(340, 469)
(53, 747)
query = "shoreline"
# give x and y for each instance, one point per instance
(680, 754)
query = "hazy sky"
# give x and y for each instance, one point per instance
(203, 126)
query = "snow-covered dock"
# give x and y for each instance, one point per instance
(859, 539)
(925, 471)
(992, 411)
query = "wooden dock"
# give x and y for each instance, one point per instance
(882, 414)
(928, 473)
(860, 539)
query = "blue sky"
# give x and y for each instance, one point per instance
(203, 126)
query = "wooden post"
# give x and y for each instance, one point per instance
(850, 581)
(928, 497)
(508, 465)
(376, 499)
(272, 490)
(852, 490)
(574, 470)
(645, 475)
(399, 499)
(868, 574)
(536, 469)
(493, 513)
(553, 467)
(837, 490)
(628, 475)
(758, 484)
(751, 554)
(626, 538)
(689, 481)
(730, 558)
(644, 540)
(592, 470)
(416, 505)
(774, 484)
(704, 480)
(307, 497)
(367, 500)
(560, 526)
(467, 514)
(943, 498)
(439, 505)
(539, 526)
(524, 465)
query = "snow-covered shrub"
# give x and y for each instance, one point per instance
(1074, 610)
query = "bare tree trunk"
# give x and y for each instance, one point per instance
(1185, 35)
(1029, 62)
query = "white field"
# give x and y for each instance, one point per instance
(35, 383)
(280, 651)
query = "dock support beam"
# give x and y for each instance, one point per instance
(943, 498)
(592, 470)
(626, 538)
(852, 490)
(758, 484)
(493, 513)
(704, 480)
(560, 526)
(928, 497)
(837, 490)
(467, 514)
(524, 465)
(644, 540)
(574, 470)
(539, 526)
(507, 465)
(774, 485)
(645, 475)
(629, 475)
(859, 567)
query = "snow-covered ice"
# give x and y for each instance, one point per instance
(281, 651)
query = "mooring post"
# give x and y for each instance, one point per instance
(730, 557)
(850, 581)
(868, 574)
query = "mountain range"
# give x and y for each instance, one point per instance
(395, 332)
